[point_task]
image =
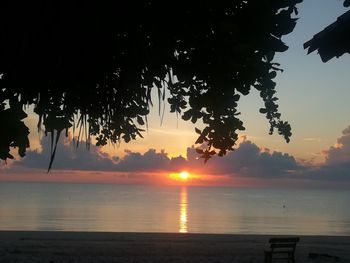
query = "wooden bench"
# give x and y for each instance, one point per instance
(281, 249)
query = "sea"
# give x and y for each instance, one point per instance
(184, 209)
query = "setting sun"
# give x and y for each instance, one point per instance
(188, 178)
(184, 175)
(181, 176)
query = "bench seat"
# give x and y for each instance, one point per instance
(281, 249)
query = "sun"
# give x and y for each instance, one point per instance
(181, 176)
(184, 175)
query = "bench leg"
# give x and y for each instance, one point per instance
(268, 256)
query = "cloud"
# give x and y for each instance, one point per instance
(337, 161)
(150, 161)
(340, 153)
(312, 139)
(250, 160)
(247, 160)
(68, 157)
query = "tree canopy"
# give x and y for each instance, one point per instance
(91, 66)
(334, 40)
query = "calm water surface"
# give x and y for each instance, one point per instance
(97, 207)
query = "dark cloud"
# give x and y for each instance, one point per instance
(337, 161)
(150, 160)
(247, 160)
(68, 157)
(339, 154)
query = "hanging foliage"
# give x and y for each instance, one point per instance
(97, 62)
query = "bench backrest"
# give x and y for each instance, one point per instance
(283, 244)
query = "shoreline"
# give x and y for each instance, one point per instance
(133, 247)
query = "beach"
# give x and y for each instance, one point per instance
(50, 246)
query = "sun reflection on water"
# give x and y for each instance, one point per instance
(183, 211)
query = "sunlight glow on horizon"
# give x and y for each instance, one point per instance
(182, 176)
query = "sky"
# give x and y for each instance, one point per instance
(313, 97)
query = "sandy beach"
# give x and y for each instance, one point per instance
(18, 246)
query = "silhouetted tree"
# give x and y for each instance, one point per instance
(334, 40)
(92, 66)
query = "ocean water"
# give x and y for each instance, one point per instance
(136, 208)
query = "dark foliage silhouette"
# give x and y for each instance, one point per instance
(334, 40)
(91, 66)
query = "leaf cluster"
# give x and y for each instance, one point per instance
(92, 66)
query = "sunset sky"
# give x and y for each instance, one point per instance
(313, 97)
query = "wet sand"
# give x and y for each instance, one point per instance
(57, 247)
